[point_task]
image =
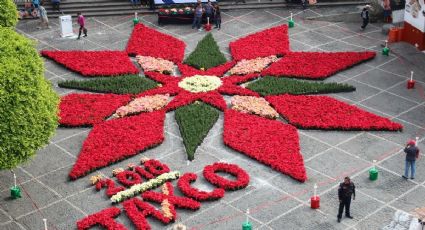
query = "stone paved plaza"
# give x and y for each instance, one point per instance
(276, 201)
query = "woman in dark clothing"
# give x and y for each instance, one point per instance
(217, 17)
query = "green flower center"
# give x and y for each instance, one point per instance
(200, 83)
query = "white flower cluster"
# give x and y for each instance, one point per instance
(143, 187)
(200, 83)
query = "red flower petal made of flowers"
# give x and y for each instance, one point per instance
(231, 85)
(270, 142)
(185, 98)
(315, 65)
(146, 41)
(94, 63)
(187, 71)
(117, 139)
(322, 112)
(273, 41)
(89, 109)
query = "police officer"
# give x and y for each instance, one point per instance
(345, 191)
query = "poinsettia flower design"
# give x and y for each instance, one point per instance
(269, 141)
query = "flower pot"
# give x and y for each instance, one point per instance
(315, 202)
(411, 84)
(373, 174)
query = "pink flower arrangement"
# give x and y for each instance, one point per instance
(253, 105)
(322, 112)
(142, 104)
(94, 63)
(270, 142)
(152, 64)
(210, 174)
(252, 66)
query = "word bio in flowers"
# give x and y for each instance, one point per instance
(151, 174)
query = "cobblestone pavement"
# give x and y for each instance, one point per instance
(275, 200)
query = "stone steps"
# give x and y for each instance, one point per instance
(123, 7)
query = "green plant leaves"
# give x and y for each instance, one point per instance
(28, 104)
(195, 121)
(274, 85)
(8, 13)
(206, 54)
(128, 84)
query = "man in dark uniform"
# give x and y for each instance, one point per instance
(345, 191)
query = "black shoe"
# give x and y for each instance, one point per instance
(339, 220)
(404, 177)
(412, 178)
(85, 35)
(349, 217)
(78, 38)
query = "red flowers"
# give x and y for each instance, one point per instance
(242, 178)
(149, 42)
(155, 167)
(117, 139)
(273, 41)
(322, 112)
(187, 71)
(194, 193)
(105, 218)
(270, 142)
(129, 178)
(137, 210)
(94, 63)
(314, 65)
(89, 109)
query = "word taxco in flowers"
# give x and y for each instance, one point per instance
(158, 174)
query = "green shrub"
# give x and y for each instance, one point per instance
(195, 121)
(8, 13)
(28, 104)
(120, 85)
(274, 85)
(206, 54)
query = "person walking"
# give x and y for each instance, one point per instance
(44, 20)
(36, 4)
(56, 5)
(198, 17)
(304, 4)
(209, 10)
(412, 153)
(365, 16)
(82, 22)
(345, 191)
(217, 17)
